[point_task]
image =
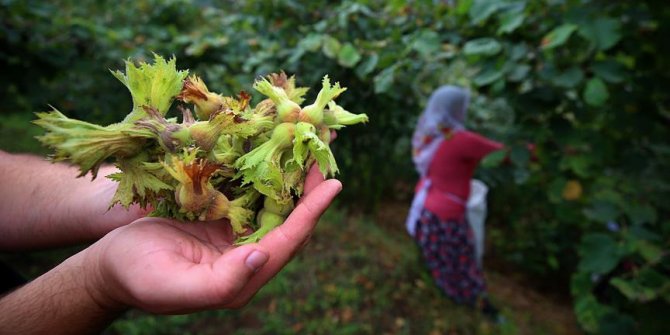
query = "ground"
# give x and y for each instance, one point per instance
(532, 309)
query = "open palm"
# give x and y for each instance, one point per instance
(165, 266)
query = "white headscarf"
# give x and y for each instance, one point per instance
(446, 108)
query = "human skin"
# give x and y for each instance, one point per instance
(160, 266)
(44, 205)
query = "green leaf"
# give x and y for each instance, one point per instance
(610, 71)
(384, 80)
(487, 76)
(650, 252)
(427, 43)
(633, 290)
(595, 93)
(510, 22)
(558, 36)
(348, 56)
(599, 253)
(518, 72)
(199, 47)
(589, 312)
(463, 7)
(367, 65)
(311, 42)
(603, 32)
(136, 183)
(569, 78)
(494, 159)
(481, 10)
(653, 279)
(331, 46)
(482, 47)
(579, 164)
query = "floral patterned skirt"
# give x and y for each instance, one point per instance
(448, 249)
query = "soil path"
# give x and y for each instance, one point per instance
(529, 307)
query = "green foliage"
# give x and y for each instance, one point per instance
(585, 81)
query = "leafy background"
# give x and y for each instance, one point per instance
(587, 82)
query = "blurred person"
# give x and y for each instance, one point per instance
(446, 155)
(155, 264)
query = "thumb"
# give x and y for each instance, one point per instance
(235, 267)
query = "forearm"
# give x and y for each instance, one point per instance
(34, 206)
(46, 205)
(62, 301)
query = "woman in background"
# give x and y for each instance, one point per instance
(446, 156)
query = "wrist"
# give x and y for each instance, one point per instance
(100, 288)
(65, 300)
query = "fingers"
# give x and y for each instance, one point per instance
(235, 267)
(288, 238)
(313, 179)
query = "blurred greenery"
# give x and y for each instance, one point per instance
(586, 81)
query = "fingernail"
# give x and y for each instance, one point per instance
(256, 259)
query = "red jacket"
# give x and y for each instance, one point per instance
(451, 170)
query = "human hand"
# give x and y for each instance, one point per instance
(164, 266)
